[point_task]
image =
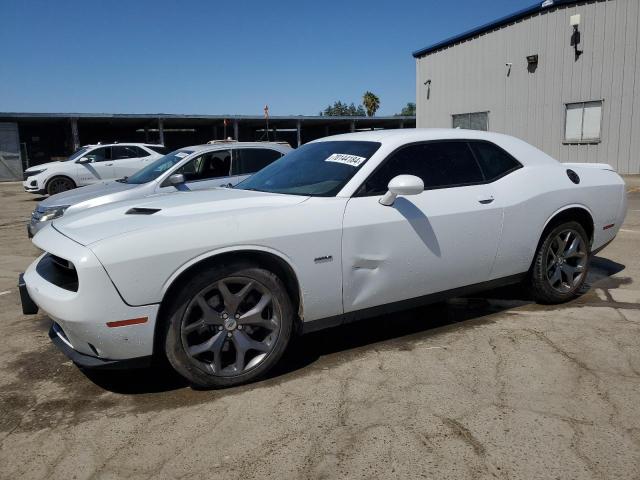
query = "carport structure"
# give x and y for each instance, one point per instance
(43, 137)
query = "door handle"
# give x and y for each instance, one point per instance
(109, 164)
(486, 200)
(226, 185)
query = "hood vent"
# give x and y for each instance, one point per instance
(142, 211)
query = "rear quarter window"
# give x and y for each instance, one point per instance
(494, 161)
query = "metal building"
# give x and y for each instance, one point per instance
(563, 75)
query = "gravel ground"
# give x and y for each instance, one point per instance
(487, 387)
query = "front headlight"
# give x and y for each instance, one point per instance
(50, 213)
(31, 173)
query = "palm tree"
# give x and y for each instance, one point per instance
(371, 103)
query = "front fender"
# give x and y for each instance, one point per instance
(237, 249)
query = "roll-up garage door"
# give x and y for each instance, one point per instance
(10, 163)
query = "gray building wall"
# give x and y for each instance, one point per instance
(471, 76)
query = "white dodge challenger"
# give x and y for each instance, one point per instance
(341, 229)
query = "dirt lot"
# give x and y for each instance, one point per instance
(491, 387)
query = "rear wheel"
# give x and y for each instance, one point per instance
(229, 326)
(561, 264)
(59, 184)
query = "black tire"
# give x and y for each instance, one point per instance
(59, 184)
(210, 372)
(544, 283)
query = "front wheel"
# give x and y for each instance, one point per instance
(561, 264)
(228, 326)
(59, 184)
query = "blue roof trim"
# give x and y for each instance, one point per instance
(514, 17)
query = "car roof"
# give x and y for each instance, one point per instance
(232, 145)
(123, 143)
(416, 134)
(521, 150)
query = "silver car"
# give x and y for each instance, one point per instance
(221, 164)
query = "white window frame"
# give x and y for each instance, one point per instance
(487, 112)
(582, 141)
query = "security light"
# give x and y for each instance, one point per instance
(575, 37)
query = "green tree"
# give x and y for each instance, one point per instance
(340, 109)
(408, 111)
(371, 103)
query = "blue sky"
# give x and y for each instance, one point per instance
(211, 57)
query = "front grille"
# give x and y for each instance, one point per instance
(25, 176)
(62, 273)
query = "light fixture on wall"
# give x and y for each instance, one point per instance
(428, 84)
(575, 36)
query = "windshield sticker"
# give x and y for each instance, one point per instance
(182, 154)
(353, 160)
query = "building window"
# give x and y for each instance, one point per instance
(472, 121)
(582, 122)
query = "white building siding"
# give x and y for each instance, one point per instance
(471, 76)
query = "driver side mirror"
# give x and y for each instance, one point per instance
(402, 185)
(84, 160)
(176, 179)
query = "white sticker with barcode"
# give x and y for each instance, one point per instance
(181, 154)
(352, 160)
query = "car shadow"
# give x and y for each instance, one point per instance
(37, 199)
(385, 331)
(159, 377)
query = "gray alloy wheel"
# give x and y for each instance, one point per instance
(559, 268)
(566, 261)
(59, 184)
(231, 326)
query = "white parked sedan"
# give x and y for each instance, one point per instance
(89, 165)
(218, 164)
(341, 229)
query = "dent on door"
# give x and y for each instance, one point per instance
(435, 241)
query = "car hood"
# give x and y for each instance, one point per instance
(42, 166)
(157, 211)
(77, 195)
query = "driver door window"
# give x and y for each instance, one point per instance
(211, 169)
(438, 164)
(100, 154)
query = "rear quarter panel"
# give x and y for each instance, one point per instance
(533, 195)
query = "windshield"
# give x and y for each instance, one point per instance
(158, 167)
(77, 154)
(316, 169)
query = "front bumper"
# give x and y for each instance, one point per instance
(90, 362)
(31, 185)
(86, 316)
